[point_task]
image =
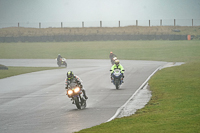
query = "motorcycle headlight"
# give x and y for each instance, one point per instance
(69, 92)
(77, 89)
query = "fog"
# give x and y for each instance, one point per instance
(77, 11)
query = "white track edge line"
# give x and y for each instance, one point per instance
(123, 106)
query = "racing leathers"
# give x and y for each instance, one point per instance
(58, 59)
(76, 80)
(111, 56)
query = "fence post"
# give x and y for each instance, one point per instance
(61, 24)
(192, 22)
(100, 23)
(174, 22)
(136, 22)
(161, 22)
(82, 24)
(149, 23)
(18, 25)
(119, 23)
(39, 25)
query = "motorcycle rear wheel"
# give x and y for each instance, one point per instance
(65, 64)
(83, 103)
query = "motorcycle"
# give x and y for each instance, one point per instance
(74, 91)
(113, 60)
(62, 62)
(117, 78)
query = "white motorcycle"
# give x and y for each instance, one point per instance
(117, 78)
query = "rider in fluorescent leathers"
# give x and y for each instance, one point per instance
(71, 78)
(117, 66)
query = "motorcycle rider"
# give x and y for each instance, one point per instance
(58, 58)
(71, 78)
(111, 56)
(117, 65)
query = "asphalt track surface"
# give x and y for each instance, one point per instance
(36, 102)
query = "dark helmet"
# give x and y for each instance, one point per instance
(70, 75)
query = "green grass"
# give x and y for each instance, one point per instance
(13, 71)
(130, 50)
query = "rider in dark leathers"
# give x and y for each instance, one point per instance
(71, 78)
(58, 58)
(111, 56)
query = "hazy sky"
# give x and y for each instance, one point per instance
(12, 11)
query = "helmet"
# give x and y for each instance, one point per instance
(70, 75)
(117, 62)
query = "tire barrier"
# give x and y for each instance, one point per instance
(94, 37)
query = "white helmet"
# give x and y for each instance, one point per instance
(117, 62)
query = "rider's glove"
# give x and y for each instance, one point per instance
(122, 75)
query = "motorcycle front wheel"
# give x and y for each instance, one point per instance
(76, 99)
(117, 84)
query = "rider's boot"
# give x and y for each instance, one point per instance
(84, 94)
(122, 80)
(111, 79)
(72, 101)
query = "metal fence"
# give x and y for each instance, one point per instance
(122, 23)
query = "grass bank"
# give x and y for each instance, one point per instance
(21, 31)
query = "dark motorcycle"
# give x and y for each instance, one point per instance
(62, 62)
(117, 78)
(74, 91)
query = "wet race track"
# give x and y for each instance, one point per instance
(36, 102)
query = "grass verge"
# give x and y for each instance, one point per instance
(174, 106)
(13, 71)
